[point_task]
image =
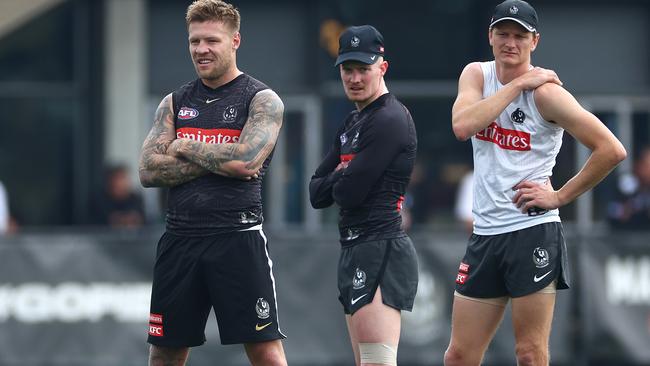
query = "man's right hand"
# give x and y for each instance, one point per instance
(342, 165)
(536, 77)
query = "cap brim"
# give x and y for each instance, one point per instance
(527, 26)
(363, 57)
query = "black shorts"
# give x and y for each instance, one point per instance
(391, 264)
(514, 264)
(230, 273)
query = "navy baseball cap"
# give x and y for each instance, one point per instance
(518, 11)
(361, 43)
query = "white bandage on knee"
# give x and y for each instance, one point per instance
(379, 353)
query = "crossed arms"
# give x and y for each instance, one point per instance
(166, 161)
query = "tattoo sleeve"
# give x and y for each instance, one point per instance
(156, 167)
(257, 140)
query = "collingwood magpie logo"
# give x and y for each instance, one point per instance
(518, 116)
(540, 257)
(514, 10)
(230, 113)
(248, 217)
(355, 140)
(359, 279)
(262, 308)
(354, 42)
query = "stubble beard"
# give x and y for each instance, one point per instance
(215, 73)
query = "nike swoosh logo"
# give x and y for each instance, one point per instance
(373, 57)
(208, 101)
(354, 301)
(537, 279)
(260, 327)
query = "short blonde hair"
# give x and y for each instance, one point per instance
(213, 10)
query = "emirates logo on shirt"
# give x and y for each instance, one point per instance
(209, 136)
(505, 138)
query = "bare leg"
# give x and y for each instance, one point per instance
(353, 340)
(473, 325)
(374, 323)
(532, 316)
(268, 353)
(167, 356)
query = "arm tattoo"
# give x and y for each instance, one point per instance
(256, 141)
(157, 169)
(262, 128)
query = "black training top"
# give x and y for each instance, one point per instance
(213, 204)
(379, 142)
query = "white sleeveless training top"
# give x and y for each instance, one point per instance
(519, 145)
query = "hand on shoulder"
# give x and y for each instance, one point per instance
(536, 77)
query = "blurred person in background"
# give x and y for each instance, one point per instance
(464, 202)
(121, 205)
(211, 144)
(632, 210)
(7, 223)
(515, 115)
(366, 173)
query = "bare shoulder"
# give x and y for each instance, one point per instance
(549, 92)
(267, 101)
(471, 78)
(265, 111)
(167, 102)
(473, 70)
(556, 104)
(165, 108)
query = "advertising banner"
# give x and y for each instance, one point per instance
(84, 300)
(615, 298)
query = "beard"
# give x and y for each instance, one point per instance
(220, 67)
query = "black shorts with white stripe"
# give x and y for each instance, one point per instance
(231, 273)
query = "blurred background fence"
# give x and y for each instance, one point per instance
(76, 299)
(80, 80)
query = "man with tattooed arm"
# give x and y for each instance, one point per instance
(211, 143)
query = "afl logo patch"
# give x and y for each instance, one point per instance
(187, 113)
(262, 308)
(230, 113)
(518, 116)
(540, 257)
(343, 138)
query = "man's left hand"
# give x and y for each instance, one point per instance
(531, 194)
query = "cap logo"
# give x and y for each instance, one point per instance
(514, 10)
(354, 42)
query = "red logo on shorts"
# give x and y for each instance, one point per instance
(155, 330)
(400, 203)
(464, 267)
(155, 318)
(461, 278)
(346, 157)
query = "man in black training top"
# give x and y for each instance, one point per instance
(211, 143)
(366, 173)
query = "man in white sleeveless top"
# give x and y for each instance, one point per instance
(515, 115)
